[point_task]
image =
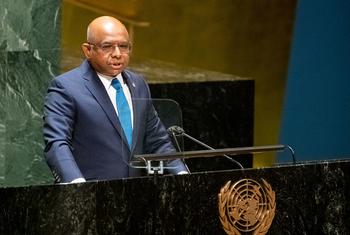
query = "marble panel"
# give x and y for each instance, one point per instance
(23, 88)
(3, 62)
(31, 24)
(311, 198)
(3, 13)
(29, 42)
(54, 210)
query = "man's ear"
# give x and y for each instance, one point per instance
(87, 49)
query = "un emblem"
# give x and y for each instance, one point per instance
(246, 206)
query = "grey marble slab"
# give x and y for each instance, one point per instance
(28, 25)
(24, 80)
(29, 58)
(310, 199)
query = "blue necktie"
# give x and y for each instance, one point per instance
(124, 113)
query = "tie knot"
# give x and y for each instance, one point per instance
(116, 84)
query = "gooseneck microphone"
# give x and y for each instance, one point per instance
(178, 131)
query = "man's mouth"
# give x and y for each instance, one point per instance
(117, 65)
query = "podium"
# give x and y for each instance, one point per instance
(310, 198)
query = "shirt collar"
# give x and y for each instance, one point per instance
(107, 80)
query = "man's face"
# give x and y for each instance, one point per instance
(109, 51)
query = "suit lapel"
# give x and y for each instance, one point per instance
(98, 91)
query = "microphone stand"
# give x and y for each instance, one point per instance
(178, 131)
(179, 149)
(175, 131)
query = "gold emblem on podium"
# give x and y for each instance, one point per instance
(246, 206)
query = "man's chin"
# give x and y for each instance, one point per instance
(115, 70)
(113, 73)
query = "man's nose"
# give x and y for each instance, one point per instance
(116, 51)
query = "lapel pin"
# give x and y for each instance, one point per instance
(133, 84)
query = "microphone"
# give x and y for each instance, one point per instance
(175, 130)
(178, 131)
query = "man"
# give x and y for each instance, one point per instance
(98, 115)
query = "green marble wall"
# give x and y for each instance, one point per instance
(29, 55)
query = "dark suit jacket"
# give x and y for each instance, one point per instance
(82, 133)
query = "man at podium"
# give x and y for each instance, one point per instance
(100, 114)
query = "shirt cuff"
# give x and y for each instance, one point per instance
(78, 180)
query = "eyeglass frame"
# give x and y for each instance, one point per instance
(110, 47)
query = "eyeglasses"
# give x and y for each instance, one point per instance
(124, 47)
